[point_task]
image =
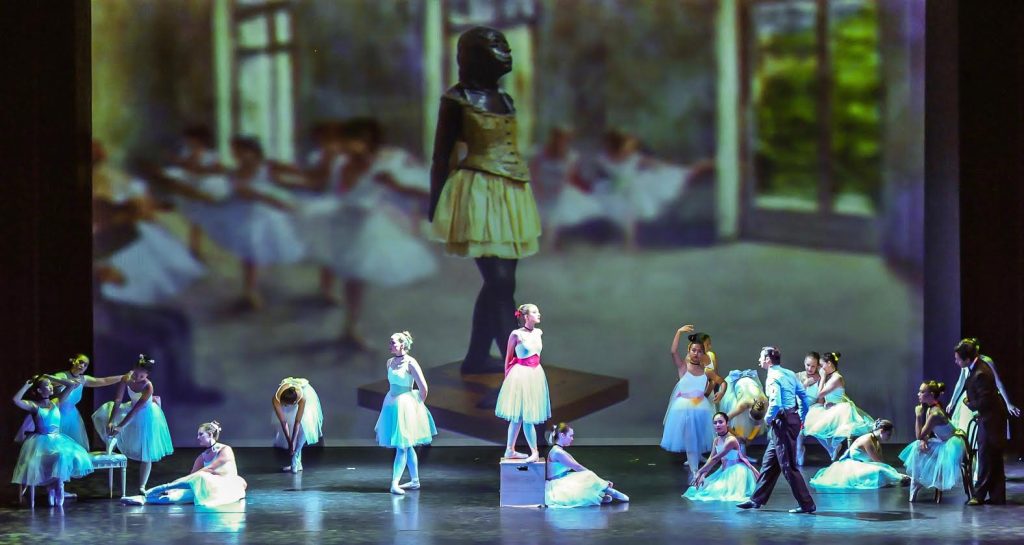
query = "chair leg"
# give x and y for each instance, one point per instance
(124, 479)
(110, 481)
(32, 495)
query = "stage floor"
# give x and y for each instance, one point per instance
(342, 497)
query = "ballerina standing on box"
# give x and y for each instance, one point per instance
(213, 480)
(737, 478)
(48, 457)
(523, 399)
(569, 484)
(139, 425)
(297, 407)
(687, 420)
(405, 421)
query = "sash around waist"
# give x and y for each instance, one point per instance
(531, 361)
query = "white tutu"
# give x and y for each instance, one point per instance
(688, 426)
(744, 386)
(575, 489)
(851, 473)
(204, 489)
(939, 466)
(524, 396)
(733, 483)
(838, 422)
(404, 421)
(156, 267)
(312, 415)
(145, 438)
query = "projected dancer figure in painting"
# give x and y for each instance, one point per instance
(301, 419)
(523, 399)
(404, 420)
(213, 480)
(687, 422)
(483, 206)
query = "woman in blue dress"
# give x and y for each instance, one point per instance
(48, 457)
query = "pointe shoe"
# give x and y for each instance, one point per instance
(397, 490)
(615, 494)
(915, 489)
(535, 456)
(515, 455)
(50, 496)
(58, 495)
(411, 485)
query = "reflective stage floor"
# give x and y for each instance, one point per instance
(342, 497)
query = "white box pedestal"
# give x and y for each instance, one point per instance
(522, 484)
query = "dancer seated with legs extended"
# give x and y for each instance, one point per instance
(213, 480)
(861, 467)
(933, 460)
(735, 481)
(569, 484)
(48, 457)
(297, 408)
(404, 420)
(834, 418)
(687, 419)
(523, 399)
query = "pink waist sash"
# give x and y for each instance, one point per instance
(532, 361)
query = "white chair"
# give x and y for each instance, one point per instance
(110, 461)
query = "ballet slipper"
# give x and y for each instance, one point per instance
(411, 485)
(514, 455)
(618, 495)
(397, 490)
(533, 458)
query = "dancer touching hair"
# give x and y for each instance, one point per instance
(48, 457)
(569, 483)
(861, 467)
(809, 378)
(935, 458)
(404, 421)
(213, 480)
(137, 427)
(735, 481)
(523, 399)
(687, 422)
(300, 417)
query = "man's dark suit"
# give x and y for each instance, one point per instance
(982, 396)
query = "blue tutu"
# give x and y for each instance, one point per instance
(688, 426)
(735, 482)
(404, 419)
(839, 420)
(939, 466)
(49, 455)
(145, 438)
(71, 423)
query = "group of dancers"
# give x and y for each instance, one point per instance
(814, 403)
(55, 440)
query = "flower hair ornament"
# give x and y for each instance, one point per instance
(519, 313)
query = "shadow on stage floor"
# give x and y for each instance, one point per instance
(342, 497)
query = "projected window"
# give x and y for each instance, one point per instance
(262, 74)
(815, 96)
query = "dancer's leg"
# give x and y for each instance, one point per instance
(800, 449)
(510, 442)
(144, 469)
(530, 431)
(250, 276)
(693, 460)
(354, 292)
(401, 455)
(413, 464)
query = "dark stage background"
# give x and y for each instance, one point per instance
(973, 278)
